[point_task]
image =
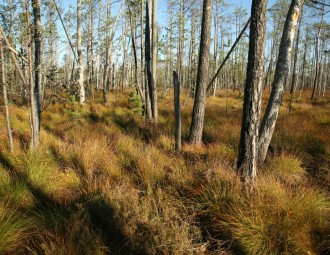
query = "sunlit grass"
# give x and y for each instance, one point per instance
(15, 230)
(106, 182)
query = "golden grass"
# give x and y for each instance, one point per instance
(287, 168)
(104, 182)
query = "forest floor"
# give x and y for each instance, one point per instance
(105, 182)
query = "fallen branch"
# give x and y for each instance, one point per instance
(228, 55)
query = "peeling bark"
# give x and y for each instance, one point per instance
(281, 73)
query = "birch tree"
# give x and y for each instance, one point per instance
(5, 98)
(153, 94)
(281, 73)
(80, 56)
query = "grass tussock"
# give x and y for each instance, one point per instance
(287, 168)
(277, 220)
(106, 182)
(15, 230)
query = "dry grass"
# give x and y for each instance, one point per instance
(104, 182)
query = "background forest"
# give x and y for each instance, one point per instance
(169, 127)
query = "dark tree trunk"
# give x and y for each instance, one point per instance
(197, 123)
(248, 149)
(35, 87)
(148, 95)
(177, 112)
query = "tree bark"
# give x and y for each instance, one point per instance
(124, 74)
(177, 112)
(294, 72)
(197, 123)
(136, 80)
(216, 21)
(180, 42)
(106, 75)
(5, 98)
(34, 81)
(303, 67)
(281, 73)
(142, 52)
(109, 43)
(99, 47)
(247, 155)
(154, 100)
(82, 98)
(317, 56)
(148, 65)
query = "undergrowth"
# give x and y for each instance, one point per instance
(106, 182)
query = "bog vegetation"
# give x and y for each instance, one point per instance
(105, 182)
(97, 156)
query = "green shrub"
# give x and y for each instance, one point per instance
(135, 104)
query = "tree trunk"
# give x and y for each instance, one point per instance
(124, 74)
(35, 86)
(326, 76)
(170, 44)
(216, 21)
(148, 66)
(281, 73)
(99, 47)
(248, 149)
(295, 60)
(192, 55)
(109, 42)
(136, 80)
(303, 67)
(197, 123)
(90, 57)
(154, 100)
(317, 56)
(142, 53)
(5, 98)
(13, 57)
(177, 112)
(106, 75)
(180, 42)
(80, 56)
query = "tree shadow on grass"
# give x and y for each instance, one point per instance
(100, 214)
(132, 127)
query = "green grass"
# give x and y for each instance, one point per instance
(15, 230)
